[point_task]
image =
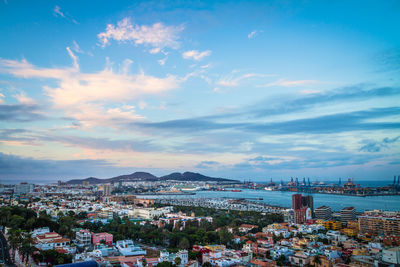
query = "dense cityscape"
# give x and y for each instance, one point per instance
(165, 224)
(200, 133)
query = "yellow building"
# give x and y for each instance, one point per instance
(215, 247)
(333, 225)
(350, 232)
(360, 252)
(353, 225)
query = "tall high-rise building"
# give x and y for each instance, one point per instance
(296, 201)
(347, 214)
(23, 188)
(300, 215)
(323, 213)
(107, 189)
(307, 202)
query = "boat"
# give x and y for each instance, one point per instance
(236, 190)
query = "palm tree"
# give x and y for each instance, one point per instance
(178, 261)
(317, 260)
(26, 247)
(144, 262)
(15, 239)
(5, 214)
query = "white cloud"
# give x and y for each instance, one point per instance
(74, 59)
(76, 47)
(162, 61)
(309, 92)
(155, 50)
(24, 99)
(234, 81)
(253, 34)
(142, 104)
(93, 114)
(126, 64)
(196, 55)
(57, 12)
(157, 35)
(92, 98)
(286, 83)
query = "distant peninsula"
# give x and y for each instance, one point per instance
(145, 176)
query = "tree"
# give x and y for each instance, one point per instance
(193, 255)
(178, 261)
(16, 221)
(144, 262)
(281, 260)
(225, 236)
(184, 243)
(5, 214)
(26, 248)
(15, 239)
(165, 264)
(317, 260)
(207, 264)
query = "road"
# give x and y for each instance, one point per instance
(5, 252)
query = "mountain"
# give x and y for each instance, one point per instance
(145, 176)
(192, 176)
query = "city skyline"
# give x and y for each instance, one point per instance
(232, 89)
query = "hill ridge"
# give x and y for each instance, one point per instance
(146, 176)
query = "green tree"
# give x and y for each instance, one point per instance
(16, 221)
(317, 260)
(165, 264)
(225, 236)
(15, 239)
(281, 260)
(5, 214)
(193, 255)
(178, 261)
(184, 243)
(206, 264)
(26, 248)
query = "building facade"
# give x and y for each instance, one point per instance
(323, 213)
(348, 214)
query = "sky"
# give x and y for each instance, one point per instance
(235, 89)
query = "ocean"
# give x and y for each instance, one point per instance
(284, 199)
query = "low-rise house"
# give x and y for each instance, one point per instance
(53, 240)
(97, 238)
(278, 251)
(170, 257)
(40, 231)
(300, 259)
(83, 238)
(128, 248)
(245, 228)
(264, 262)
(391, 255)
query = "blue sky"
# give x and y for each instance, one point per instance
(240, 89)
